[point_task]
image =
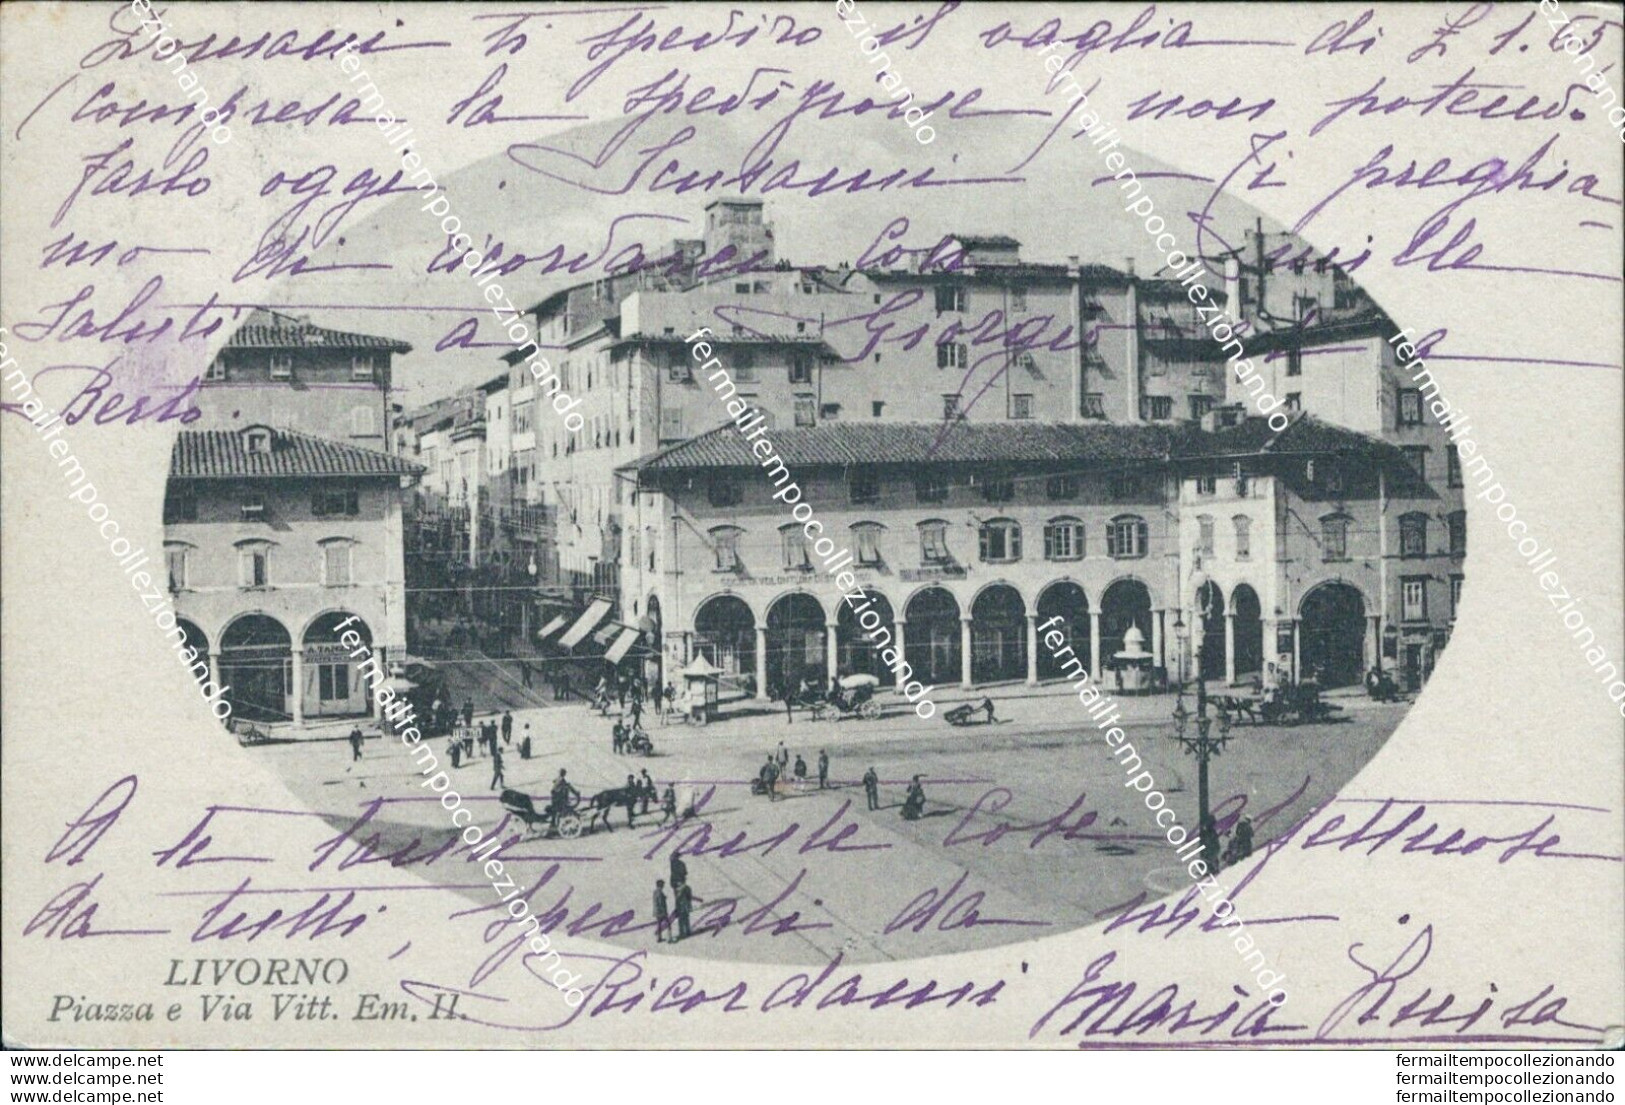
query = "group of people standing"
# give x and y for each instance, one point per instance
(685, 900)
(778, 766)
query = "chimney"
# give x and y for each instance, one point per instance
(1128, 265)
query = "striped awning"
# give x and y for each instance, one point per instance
(594, 614)
(552, 627)
(623, 644)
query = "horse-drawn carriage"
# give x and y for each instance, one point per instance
(1286, 704)
(567, 813)
(854, 695)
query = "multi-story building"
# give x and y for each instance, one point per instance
(1291, 548)
(276, 543)
(288, 373)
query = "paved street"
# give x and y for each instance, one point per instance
(1028, 829)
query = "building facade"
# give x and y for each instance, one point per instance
(273, 538)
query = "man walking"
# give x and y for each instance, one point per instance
(468, 712)
(871, 788)
(355, 744)
(507, 727)
(782, 756)
(668, 805)
(685, 903)
(679, 869)
(662, 922)
(646, 792)
(823, 770)
(496, 766)
(629, 799)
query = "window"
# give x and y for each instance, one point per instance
(361, 366)
(1452, 458)
(1294, 362)
(1413, 535)
(216, 369)
(806, 410)
(1200, 405)
(1410, 407)
(175, 561)
(1457, 521)
(950, 406)
(1244, 536)
(953, 354)
(1294, 400)
(1334, 537)
(325, 502)
(1207, 485)
(1417, 456)
(180, 505)
(1093, 405)
(934, 542)
(333, 681)
(254, 566)
(878, 408)
(725, 540)
(1413, 591)
(801, 369)
(257, 441)
(1021, 406)
(1061, 488)
(721, 492)
(362, 423)
(998, 489)
(679, 371)
(794, 540)
(1126, 537)
(868, 537)
(950, 298)
(931, 487)
(1125, 486)
(671, 423)
(999, 541)
(336, 564)
(829, 412)
(1018, 300)
(863, 485)
(281, 366)
(1063, 539)
(1455, 596)
(745, 366)
(1204, 535)
(743, 288)
(1159, 408)
(522, 413)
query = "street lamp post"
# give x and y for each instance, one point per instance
(1204, 745)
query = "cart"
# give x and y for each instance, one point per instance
(853, 695)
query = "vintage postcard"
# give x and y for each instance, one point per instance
(812, 525)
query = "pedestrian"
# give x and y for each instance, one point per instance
(561, 798)
(646, 792)
(507, 727)
(801, 770)
(496, 767)
(454, 752)
(789, 705)
(823, 769)
(668, 805)
(987, 705)
(629, 799)
(618, 738)
(468, 712)
(1209, 836)
(685, 903)
(355, 744)
(679, 869)
(524, 744)
(871, 788)
(767, 775)
(662, 922)
(637, 710)
(671, 697)
(620, 693)
(782, 756)
(524, 674)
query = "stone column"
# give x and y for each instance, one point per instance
(964, 653)
(1096, 668)
(299, 686)
(1297, 650)
(898, 642)
(1271, 630)
(761, 663)
(1156, 640)
(832, 649)
(377, 708)
(1230, 647)
(1032, 650)
(1373, 640)
(214, 670)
